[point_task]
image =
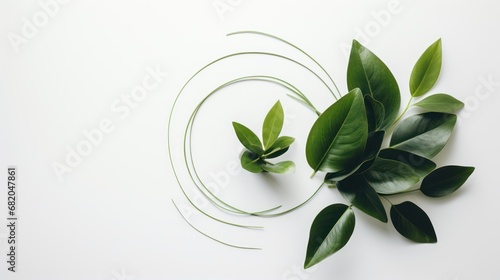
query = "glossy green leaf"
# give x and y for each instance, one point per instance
(373, 144)
(426, 71)
(251, 162)
(279, 147)
(338, 137)
(356, 190)
(330, 231)
(420, 165)
(273, 123)
(283, 167)
(424, 134)
(368, 73)
(412, 222)
(375, 113)
(390, 176)
(248, 138)
(445, 180)
(440, 102)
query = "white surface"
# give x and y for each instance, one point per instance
(112, 218)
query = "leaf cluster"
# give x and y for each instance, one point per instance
(346, 143)
(255, 157)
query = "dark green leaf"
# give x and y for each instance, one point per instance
(426, 71)
(445, 180)
(280, 167)
(273, 123)
(251, 162)
(248, 138)
(389, 176)
(356, 190)
(330, 231)
(368, 73)
(440, 102)
(375, 113)
(373, 144)
(424, 134)
(412, 222)
(420, 165)
(279, 147)
(338, 137)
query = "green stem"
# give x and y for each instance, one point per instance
(213, 238)
(401, 115)
(297, 48)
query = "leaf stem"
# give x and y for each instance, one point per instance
(404, 111)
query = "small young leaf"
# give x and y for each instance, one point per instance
(412, 222)
(420, 165)
(330, 231)
(368, 73)
(279, 147)
(248, 138)
(251, 162)
(426, 71)
(424, 134)
(356, 190)
(280, 167)
(445, 180)
(338, 137)
(440, 102)
(390, 176)
(273, 123)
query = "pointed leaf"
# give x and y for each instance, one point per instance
(279, 147)
(248, 138)
(273, 123)
(420, 165)
(280, 167)
(424, 134)
(426, 71)
(445, 180)
(412, 222)
(251, 162)
(330, 231)
(356, 190)
(338, 137)
(389, 176)
(368, 73)
(440, 102)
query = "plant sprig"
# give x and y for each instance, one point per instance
(255, 158)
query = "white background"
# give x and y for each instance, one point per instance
(112, 216)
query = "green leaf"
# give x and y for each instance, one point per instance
(338, 137)
(440, 102)
(251, 162)
(248, 138)
(390, 176)
(420, 165)
(368, 73)
(356, 190)
(273, 123)
(280, 167)
(426, 71)
(412, 222)
(424, 134)
(279, 147)
(373, 144)
(445, 180)
(375, 113)
(330, 231)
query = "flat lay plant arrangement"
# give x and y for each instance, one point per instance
(345, 146)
